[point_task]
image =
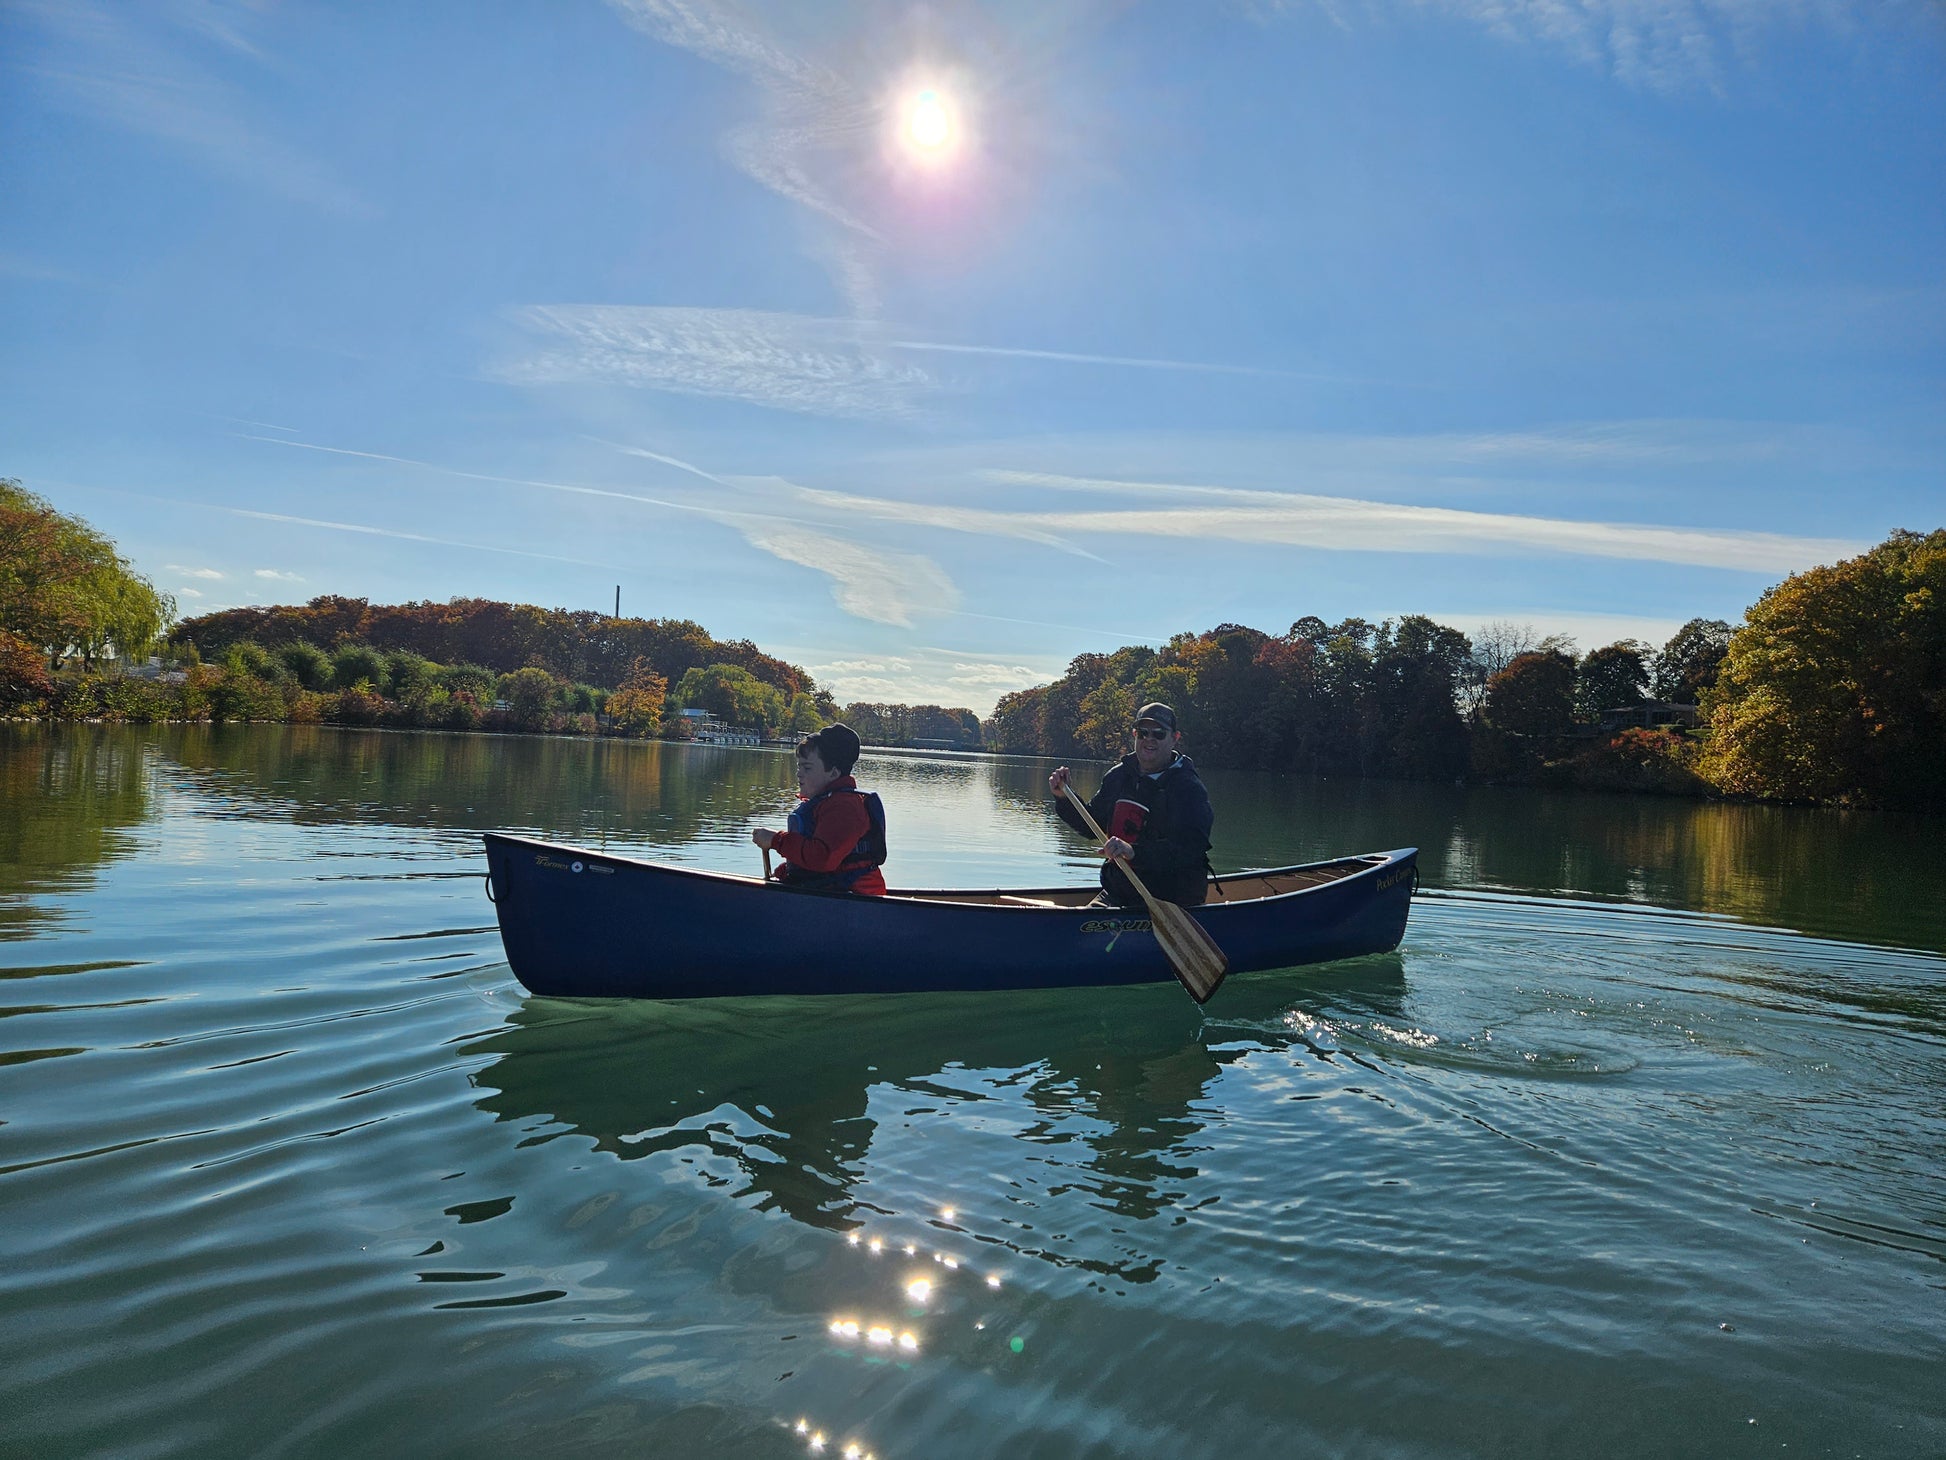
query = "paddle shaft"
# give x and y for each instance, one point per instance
(1094, 830)
(766, 864)
(1198, 963)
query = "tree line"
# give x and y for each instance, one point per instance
(1832, 690)
(578, 646)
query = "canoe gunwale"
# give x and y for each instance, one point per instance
(999, 899)
(637, 929)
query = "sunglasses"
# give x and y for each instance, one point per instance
(1151, 732)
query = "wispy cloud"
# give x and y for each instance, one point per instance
(1336, 524)
(192, 572)
(879, 585)
(1029, 527)
(187, 592)
(154, 70)
(1069, 358)
(814, 124)
(792, 362)
(786, 361)
(1661, 44)
(276, 575)
(365, 530)
(868, 583)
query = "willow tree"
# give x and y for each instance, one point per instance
(64, 588)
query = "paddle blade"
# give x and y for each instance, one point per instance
(1199, 963)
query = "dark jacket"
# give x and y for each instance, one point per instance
(1170, 818)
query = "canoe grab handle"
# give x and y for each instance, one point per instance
(488, 879)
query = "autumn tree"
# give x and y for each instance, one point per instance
(1834, 689)
(1533, 697)
(24, 681)
(636, 708)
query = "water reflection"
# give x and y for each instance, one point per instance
(985, 822)
(1848, 874)
(569, 788)
(71, 795)
(70, 800)
(785, 1088)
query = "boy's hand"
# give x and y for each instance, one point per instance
(1116, 847)
(1056, 781)
(763, 837)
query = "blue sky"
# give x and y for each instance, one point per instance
(1590, 314)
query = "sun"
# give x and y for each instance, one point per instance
(929, 126)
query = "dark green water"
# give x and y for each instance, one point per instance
(1634, 1148)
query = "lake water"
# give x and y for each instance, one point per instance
(1635, 1147)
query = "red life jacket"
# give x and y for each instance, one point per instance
(867, 856)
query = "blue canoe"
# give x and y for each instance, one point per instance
(579, 923)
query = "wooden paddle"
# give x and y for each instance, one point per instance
(1198, 962)
(766, 852)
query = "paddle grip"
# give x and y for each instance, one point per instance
(1094, 827)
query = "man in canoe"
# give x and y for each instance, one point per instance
(1156, 812)
(836, 838)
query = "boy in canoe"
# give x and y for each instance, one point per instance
(1156, 813)
(836, 838)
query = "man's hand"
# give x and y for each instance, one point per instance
(1116, 847)
(1057, 781)
(763, 837)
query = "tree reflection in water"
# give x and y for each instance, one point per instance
(792, 1090)
(72, 798)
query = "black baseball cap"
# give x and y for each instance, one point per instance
(837, 746)
(1157, 714)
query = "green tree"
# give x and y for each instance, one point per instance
(409, 676)
(1834, 689)
(1014, 727)
(1612, 677)
(1107, 712)
(309, 665)
(356, 664)
(530, 694)
(803, 716)
(253, 661)
(1687, 664)
(469, 681)
(65, 588)
(732, 694)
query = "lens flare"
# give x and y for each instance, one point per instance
(929, 121)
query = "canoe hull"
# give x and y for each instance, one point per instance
(580, 923)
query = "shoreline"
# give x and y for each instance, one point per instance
(1545, 782)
